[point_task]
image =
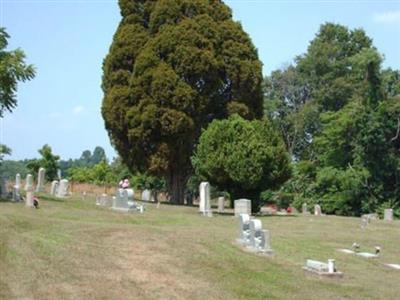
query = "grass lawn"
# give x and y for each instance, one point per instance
(72, 249)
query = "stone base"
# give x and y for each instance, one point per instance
(323, 274)
(243, 245)
(347, 251)
(367, 255)
(393, 266)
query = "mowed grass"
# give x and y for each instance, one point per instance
(72, 249)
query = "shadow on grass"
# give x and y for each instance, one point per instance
(49, 198)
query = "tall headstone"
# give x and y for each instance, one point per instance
(17, 188)
(3, 187)
(304, 210)
(388, 214)
(205, 199)
(29, 190)
(54, 187)
(62, 190)
(40, 184)
(221, 204)
(317, 210)
(242, 206)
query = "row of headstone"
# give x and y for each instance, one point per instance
(124, 201)
(60, 189)
(317, 209)
(252, 236)
(205, 199)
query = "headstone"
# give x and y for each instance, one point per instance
(123, 201)
(103, 200)
(17, 188)
(242, 206)
(3, 187)
(40, 184)
(317, 210)
(388, 214)
(244, 229)
(147, 195)
(322, 269)
(54, 187)
(259, 238)
(29, 190)
(205, 199)
(221, 204)
(304, 210)
(59, 174)
(62, 190)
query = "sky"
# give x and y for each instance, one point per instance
(67, 40)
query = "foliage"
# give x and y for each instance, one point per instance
(343, 131)
(12, 70)
(9, 168)
(49, 161)
(174, 66)
(242, 157)
(4, 150)
(87, 159)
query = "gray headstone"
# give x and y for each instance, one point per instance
(41, 178)
(388, 214)
(54, 187)
(62, 190)
(3, 187)
(146, 195)
(244, 229)
(242, 206)
(221, 204)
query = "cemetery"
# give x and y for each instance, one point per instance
(229, 149)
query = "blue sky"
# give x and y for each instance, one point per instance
(67, 40)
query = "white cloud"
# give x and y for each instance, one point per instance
(389, 17)
(78, 109)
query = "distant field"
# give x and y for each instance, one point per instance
(72, 249)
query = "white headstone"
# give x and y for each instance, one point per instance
(17, 188)
(62, 190)
(205, 199)
(388, 214)
(317, 210)
(54, 187)
(221, 204)
(29, 190)
(255, 227)
(242, 206)
(40, 184)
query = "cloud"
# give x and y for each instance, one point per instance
(388, 17)
(78, 109)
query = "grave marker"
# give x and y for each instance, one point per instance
(41, 178)
(242, 206)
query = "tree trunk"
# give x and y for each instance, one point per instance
(176, 186)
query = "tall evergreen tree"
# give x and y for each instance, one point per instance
(173, 67)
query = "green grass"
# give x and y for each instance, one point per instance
(72, 249)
